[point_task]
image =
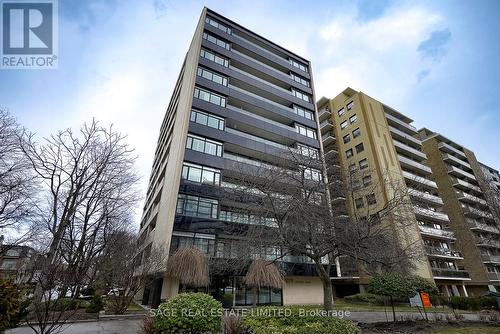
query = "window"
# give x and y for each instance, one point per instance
(353, 118)
(212, 76)
(298, 65)
(195, 206)
(308, 151)
(312, 174)
(207, 119)
(215, 40)
(360, 148)
(348, 153)
(367, 180)
(341, 112)
(300, 80)
(301, 95)
(343, 125)
(305, 131)
(363, 163)
(350, 105)
(352, 168)
(208, 96)
(346, 138)
(217, 25)
(356, 133)
(203, 145)
(370, 199)
(302, 112)
(206, 245)
(200, 174)
(212, 56)
(359, 203)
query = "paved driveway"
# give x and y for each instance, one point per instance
(122, 326)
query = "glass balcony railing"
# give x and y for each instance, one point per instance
(436, 232)
(443, 252)
(265, 119)
(258, 139)
(449, 273)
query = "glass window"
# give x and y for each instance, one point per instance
(298, 65)
(301, 95)
(370, 199)
(302, 112)
(350, 105)
(204, 118)
(208, 96)
(363, 163)
(343, 125)
(196, 206)
(360, 148)
(203, 145)
(300, 80)
(312, 174)
(356, 133)
(352, 168)
(346, 138)
(348, 153)
(212, 56)
(218, 25)
(359, 203)
(212, 76)
(367, 180)
(353, 119)
(341, 112)
(198, 173)
(217, 41)
(305, 131)
(308, 151)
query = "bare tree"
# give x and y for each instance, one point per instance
(17, 187)
(121, 271)
(89, 183)
(295, 193)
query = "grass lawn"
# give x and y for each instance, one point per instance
(473, 329)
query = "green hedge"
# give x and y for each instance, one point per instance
(472, 303)
(270, 320)
(189, 313)
(368, 298)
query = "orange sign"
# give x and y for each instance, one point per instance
(426, 301)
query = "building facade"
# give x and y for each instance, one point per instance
(240, 100)
(372, 138)
(465, 185)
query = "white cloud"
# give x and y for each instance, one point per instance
(378, 56)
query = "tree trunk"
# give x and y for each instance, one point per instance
(393, 312)
(327, 286)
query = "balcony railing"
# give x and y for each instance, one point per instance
(411, 164)
(419, 179)
(494, 276)
(425, 196)
(431, 214)
(449, 157)
(490, 242)
(326, 124)
(409, 150)
(436, 232)
(460, 172)
(464, 184)
(471, 198)
(476, 225)
(450, 273)
(443, 252)
(450, 149)
(322, 113)
(404, 136)
(490, 258)
(327, 138)
(469, 210)
(399, 122)
(265, 119)
(258, 139)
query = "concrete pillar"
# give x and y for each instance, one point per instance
(447, 291)
(492, 288)
(362, 288)
(337, 267)
(465, 291)
(455, 290)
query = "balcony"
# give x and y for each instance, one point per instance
(460, 173)
(443, 252)
(327, 138)
(433, 215)
(419, 179)
(434, 232)
(257, 139)
(470, 198)
(425, 196)
(471, 211)
(480, 226)
(323, 114)
(413, 165)
(450, 149)
(494, 276)
(400, 135)
(401, 125)
(490, 258)
(487, 242)
(461, 184)
(442, 273)
(259, 97)
(454, 160)
(326, 125)
(407, 150)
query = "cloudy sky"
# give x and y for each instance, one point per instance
(436, 61)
